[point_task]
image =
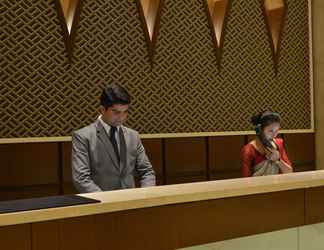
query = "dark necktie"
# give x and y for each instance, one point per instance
(113, 141)
(122, 149)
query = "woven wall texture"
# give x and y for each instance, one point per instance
(43, 94)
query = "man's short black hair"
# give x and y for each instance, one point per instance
(114, 94)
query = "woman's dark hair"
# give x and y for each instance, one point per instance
(264, 119)
(114, 94)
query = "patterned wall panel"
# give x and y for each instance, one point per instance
(43, 94)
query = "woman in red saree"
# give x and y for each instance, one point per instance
(266, 154)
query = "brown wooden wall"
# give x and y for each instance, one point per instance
(43, 169)
(169, 227)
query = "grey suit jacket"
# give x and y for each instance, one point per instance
(95, 166)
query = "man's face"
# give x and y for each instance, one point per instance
(115, 115)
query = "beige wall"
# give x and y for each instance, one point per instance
(297, 238)
(318, 59)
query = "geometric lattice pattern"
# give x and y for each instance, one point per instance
(42, 94)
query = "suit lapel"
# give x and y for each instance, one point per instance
(103, 137)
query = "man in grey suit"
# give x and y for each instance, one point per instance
(107, 155)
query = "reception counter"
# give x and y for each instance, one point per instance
(173, 216)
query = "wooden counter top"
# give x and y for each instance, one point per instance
(170, 194)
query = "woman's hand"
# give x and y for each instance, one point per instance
(274, 156)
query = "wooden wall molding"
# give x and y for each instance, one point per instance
(40, 169)
(151, 136)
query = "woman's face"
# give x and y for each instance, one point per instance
(271, 131)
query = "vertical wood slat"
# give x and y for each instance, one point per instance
(45, 235)
(68, 187)
(65, 234)
(29, 164)
(139, 229)
(66, 154)
(16, 237)
(185, 159)
(301, 151)
(60, 168)
(153, 148)
(29, 170)
(224, 156)
(314, 205)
